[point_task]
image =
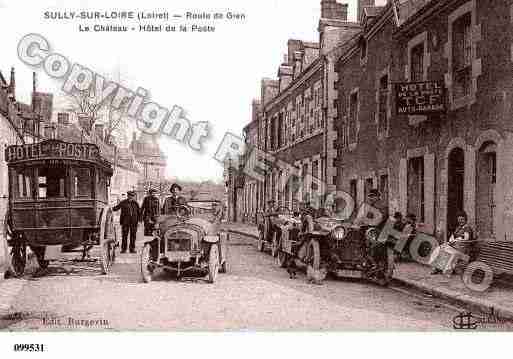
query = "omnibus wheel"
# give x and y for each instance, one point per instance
(18, 259)
(108, 246)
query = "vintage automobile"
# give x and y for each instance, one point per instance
(58, 202)
(267, 238)
(187, 239)
(329, 245)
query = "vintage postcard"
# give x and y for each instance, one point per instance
(267, 166)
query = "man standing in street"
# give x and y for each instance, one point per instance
(129, 219)
(150, 211)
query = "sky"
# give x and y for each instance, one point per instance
(213, 76)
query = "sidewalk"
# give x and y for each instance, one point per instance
(498, 298)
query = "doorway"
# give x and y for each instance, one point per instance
(455, 187)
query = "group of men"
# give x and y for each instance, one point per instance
(132, 214)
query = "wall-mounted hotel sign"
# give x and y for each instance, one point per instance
(420, 98)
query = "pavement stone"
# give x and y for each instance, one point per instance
(498, 298)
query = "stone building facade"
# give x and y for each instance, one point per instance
(431, 165)
(18, 125)
(294, 119)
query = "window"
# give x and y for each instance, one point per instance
(281, 128)
(344, 140)
(304, 173)
(383, 105)
(82, 182)
(52, 182)
(102, 184)
(369, 184)
(383, 187)
(353, 117)
(315, 174)
(417, 63)
(416, 187)
(353, 190)
(24, 183)
(462, 55)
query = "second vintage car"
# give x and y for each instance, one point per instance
(329, 245)
(186, 240)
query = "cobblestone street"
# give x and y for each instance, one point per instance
(255, 295)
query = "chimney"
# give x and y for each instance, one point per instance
(361, 5)
(134, 137)
(285, 75)
(34, 81)
(331, 9)
(63, 118)
(12, 83)
(298, 63)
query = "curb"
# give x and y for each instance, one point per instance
(466, 300)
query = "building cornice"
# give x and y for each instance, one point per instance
(430, 9)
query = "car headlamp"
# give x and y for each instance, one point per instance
(338, 233)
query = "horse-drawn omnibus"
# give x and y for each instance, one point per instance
(58, 202)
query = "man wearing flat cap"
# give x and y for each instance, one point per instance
(129, 220)
(172, 201)
(150, 211)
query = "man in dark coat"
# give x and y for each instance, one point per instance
(172, 201)
(129, 219)
(150, 210)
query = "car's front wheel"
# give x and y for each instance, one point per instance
(213, 263)
(147, 268)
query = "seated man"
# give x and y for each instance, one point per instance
(172, 202)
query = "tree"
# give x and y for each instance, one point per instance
(89, 110)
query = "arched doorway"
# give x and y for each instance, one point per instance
(486, 179)
(455, 187)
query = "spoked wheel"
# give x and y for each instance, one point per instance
(213, 263)
(260, 241)
(147, 268)
(313, 262)
(108, 246)
(18, 259)
(275, 245)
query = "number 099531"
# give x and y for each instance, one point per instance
(29, 348)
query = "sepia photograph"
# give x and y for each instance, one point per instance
(250, 169)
